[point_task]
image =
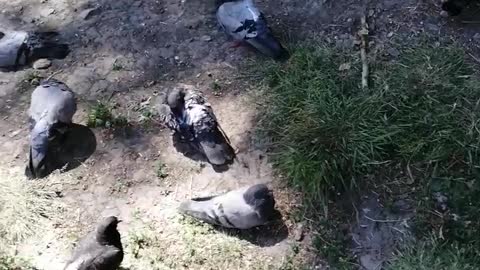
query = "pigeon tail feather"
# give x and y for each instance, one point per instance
(198, 209)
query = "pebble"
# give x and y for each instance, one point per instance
(207, 38)
(42, 64)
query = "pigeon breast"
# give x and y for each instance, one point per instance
(10, 45)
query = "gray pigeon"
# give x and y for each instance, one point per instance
(100, 249)
(188, 114)
(244, 22)
(19, 48)
(242, 208)
(51, 110)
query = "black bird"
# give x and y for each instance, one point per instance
(188, 114)
(244, 22)
(100, 249)
(20, 48)
(242, 208)
(52, 107)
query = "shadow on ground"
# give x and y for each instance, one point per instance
(72, 150)
(264, 236)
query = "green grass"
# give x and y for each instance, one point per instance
(101, 115)
(12, 263)
(436, 256)
(421, 114)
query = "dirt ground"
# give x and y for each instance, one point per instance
(126, 52)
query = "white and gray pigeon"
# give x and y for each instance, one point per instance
(244, 22)
(242, 208)
(187, 113)
(52, 107)
(99, 250)
(20, 48)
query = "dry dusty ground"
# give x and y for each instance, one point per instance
(126, 52)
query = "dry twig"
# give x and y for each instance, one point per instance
(363, 33)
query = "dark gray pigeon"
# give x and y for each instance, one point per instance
(51, 110)
(242, 208)
(19, 48)
(188, 114)
(100, 249)
(244, 22)
(454, 7)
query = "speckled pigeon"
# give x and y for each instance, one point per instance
(242, 208)
(52, 107)
(100, 249)
(19, 48)
(244, 22)
(187, 113)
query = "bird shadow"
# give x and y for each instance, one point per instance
(72, 149)
(192, 151)
(270, 234)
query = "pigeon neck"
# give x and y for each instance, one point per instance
(109, 236)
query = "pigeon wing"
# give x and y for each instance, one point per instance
(167, 117)
(212, 140)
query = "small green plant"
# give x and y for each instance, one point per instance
(101, 116)
(161, 170)
(117, 66)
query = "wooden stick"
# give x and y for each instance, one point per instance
(363, 33)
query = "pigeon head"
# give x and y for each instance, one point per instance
(176, 99)
(37, 164)
(261, 198)
(107, 232)
(452, 7)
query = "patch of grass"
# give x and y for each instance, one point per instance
(433, 256)
(184, 243)
(8, 262)
(101, 115)
(421, 114)
(24, 208)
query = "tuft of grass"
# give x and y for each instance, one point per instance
(421, 114)
(101, 115)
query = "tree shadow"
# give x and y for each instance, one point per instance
(69, 151)
(193, 151)
(272, 233)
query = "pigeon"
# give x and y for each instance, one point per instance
(100, 249)
(188, 114)
(52, 107)
(454, 7)
(19, 48)
(242, 208)
(244, 22)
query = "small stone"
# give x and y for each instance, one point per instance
(42, 64)
(389, 35)
(393, 52)
(299, 232)
(207, 38)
